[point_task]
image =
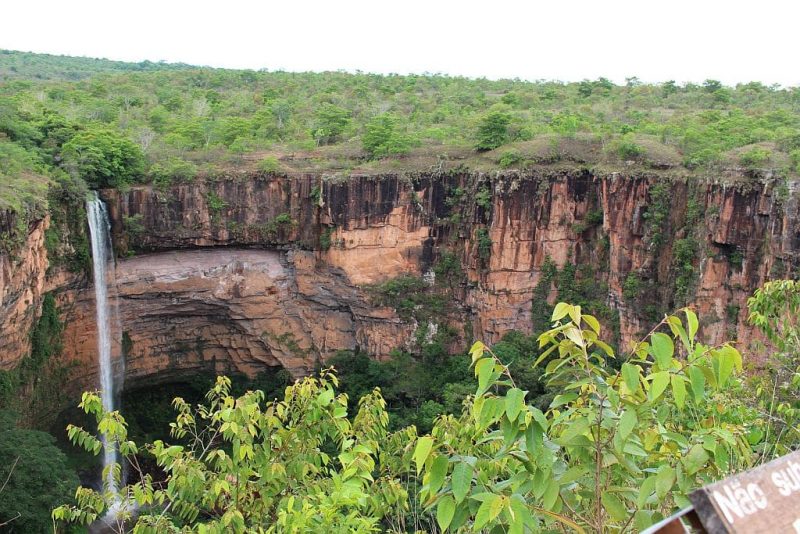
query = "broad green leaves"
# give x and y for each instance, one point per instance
(662, 350)
(679, 390)
(658, 384)
(632, 421)
(445, 511)
(461, 480)
(515, 402)
(614, 450)
(627, 422)
(422, 451)
(631, 376)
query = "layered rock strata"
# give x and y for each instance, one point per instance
(196, 299)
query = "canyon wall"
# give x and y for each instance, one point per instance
(253, 271)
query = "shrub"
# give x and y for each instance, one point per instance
(270, 165)
(509, 158)
(483, 198)
(631, 287)
(325, 240)
(330, 122)
(614, 449)
(171, 170)
(35, 477)
(493, 130)
(103, 158)
(627, 149)
(755, 157)
(382, 137)
(215, 203)
(794, 157)
(484, 244)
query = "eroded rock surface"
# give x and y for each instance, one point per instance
(195, 299)
(231, 310)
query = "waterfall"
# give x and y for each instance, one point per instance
(100, 232)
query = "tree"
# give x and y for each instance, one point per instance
(774, 310)
(34, 477)
(669, 88)
(103, 157)
(493, 130)
(712, 86)
(615, 450)
(382, 137)
(297, 465)
(330, 122)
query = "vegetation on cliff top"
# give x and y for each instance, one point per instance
(114, 123)
(216, 117)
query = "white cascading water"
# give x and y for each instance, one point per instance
(100, 233)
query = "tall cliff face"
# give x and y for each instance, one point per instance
(674, 242)
(239, 274)
(22, 282)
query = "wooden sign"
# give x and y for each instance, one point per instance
(765, 499)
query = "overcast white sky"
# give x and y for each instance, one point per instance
(684, 40)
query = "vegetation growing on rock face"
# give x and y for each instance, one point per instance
(34, 388)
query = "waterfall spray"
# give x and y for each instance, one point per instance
(100, 233)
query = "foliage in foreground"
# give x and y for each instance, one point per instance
(34, 477)
(617, 450)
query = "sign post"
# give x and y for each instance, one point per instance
(765, 499)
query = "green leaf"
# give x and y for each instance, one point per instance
(422, 451)
(646, 490)
(572, 474)
(515, 401)
(575, 314)
(679, 390)
(445, 511)
(698, 381)
(695, 460)
(558, 400)
(489, 509)
(722, 364)
(614, 506)
(630, 373)
(575, 335)
(325, 397)
(437, 473)
(606, 348)
(663, 349)
(691, 320)
(476, 351)
(550, 496)
(658, 383)
(627, 422)
(484, 370)
(560, 311)
(665, 478)
(642, 519)
(461, 480)
(593, 323)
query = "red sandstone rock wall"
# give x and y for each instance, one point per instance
(379, 228)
